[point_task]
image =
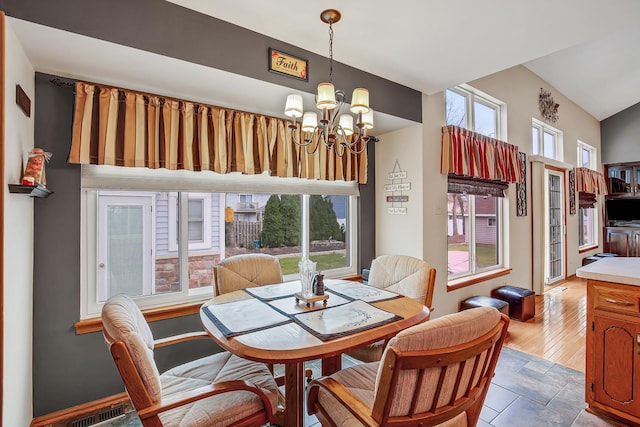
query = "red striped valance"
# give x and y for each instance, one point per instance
(590, 181)
(471, 154)
(119, 127)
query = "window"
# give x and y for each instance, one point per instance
(587, 217)
(198, 220)
(546, 140)
(160, 247)
(475, 222)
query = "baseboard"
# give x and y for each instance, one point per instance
(65, 417)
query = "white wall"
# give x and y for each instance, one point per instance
(518, 88)
(17, 408)
(399, 234)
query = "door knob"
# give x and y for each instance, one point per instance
(101, 265)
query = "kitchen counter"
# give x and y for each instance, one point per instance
(614, 269)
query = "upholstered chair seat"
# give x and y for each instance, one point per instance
(402, 274)
(218, 390)
(434, 373)
(246, 271)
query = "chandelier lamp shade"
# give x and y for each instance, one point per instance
(335, 128)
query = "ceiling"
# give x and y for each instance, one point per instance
(585, 49)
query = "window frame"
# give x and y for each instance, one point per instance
(90, 308)
(537, 147)
(474, 275)
(593, 164)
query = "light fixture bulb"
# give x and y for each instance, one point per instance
(367, 119)
(360, 100)
(309, 121)
(346, 123)
(293, 108)
(326, 97)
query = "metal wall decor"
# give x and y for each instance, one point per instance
(521, 188)
(572, 192)
(548, 107)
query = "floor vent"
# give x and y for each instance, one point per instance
(99, 417)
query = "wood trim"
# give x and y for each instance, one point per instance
(462, 283)
(94, 324)
(74, 412)
(2, 186)
(587, 249)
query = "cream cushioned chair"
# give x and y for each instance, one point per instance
(434, 373)
(218, 390)
(246, 271)
(402, 274)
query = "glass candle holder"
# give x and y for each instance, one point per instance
(307, 270)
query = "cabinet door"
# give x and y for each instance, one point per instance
(616, 381)
(619, 242)
(622, 179)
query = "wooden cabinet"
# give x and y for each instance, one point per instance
(613, 350)
(624, 241)
(624, 178)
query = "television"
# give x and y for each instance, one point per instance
(623, 209)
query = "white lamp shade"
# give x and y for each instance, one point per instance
(293, 108)
(326, 97)
(360, 100)
(346, 123)
(309, 121)
(367, 119)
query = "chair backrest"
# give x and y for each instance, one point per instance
(246, 271)
(441, 369)
(130, 342)
(406, 275)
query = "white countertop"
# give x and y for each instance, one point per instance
(614, 269)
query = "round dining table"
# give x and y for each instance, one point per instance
(292, 344)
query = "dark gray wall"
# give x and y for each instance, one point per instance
(70, 369)
(165, 28)
(620, 136)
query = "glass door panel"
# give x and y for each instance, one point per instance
(554, 233)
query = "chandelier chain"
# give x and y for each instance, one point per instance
(330, 52)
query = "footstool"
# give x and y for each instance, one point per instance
(522, 303)
(482, 301)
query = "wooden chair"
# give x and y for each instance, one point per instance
(432, 373)
(221, 390)
(405, 275)
(246, 271)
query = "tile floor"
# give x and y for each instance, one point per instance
(526, 392)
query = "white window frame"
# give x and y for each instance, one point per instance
(205, 244)
(538, 146)
(158, 181)
(593, 164)
(474, 95)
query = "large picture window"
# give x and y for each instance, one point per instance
(161, 247)
(475, 218)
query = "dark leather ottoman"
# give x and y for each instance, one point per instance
(522, 302)
(482, 301)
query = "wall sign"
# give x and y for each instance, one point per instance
(288, 65)
(397, 200)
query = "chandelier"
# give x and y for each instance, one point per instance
(334, 129)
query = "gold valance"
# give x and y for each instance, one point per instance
(120, 127)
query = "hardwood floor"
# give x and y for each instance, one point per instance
(557, 332)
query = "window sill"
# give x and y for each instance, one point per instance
(463, 282)
(94, 324)
(587, 248)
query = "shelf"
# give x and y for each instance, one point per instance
(31, 190)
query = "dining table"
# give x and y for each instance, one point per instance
(271, 324)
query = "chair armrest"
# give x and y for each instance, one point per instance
(190, 396)
(349, 400)
(161, 342)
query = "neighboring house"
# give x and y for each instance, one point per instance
(486, 222)
(247, 207)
